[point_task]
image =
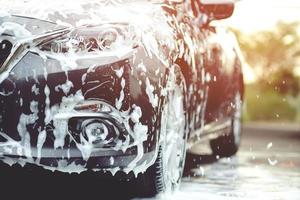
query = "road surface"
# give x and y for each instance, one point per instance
(266, 167)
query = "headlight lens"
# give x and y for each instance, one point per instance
(92, 39)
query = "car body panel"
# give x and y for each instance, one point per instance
(46, 98)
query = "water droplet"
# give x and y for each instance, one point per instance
(272, 162)
(202, 171)
(269, 145)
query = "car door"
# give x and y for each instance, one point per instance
(220, 68)
(218, 59)
(191, 42)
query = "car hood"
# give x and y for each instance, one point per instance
(21, 26)
(55, 14)
(145, 20)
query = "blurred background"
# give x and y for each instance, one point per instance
(268, 32)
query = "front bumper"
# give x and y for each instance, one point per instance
(71, 160)
(30, 84)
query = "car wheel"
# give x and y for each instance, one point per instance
(227, 145)
(165, 174)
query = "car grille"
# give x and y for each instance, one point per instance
(5, 50)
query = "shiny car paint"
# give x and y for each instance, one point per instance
(45, 96)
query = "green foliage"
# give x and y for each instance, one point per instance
(286, 83)
(267, 105)
(272, 52)
(273, 55)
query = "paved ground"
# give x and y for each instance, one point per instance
(266, 167)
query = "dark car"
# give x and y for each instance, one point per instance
(118, 86)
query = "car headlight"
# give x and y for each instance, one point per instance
(92, 39)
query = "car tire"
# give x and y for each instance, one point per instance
(227, 145)
(165, 174)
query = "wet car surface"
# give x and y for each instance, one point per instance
(125, 92)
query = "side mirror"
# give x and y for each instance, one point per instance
(217, 9)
